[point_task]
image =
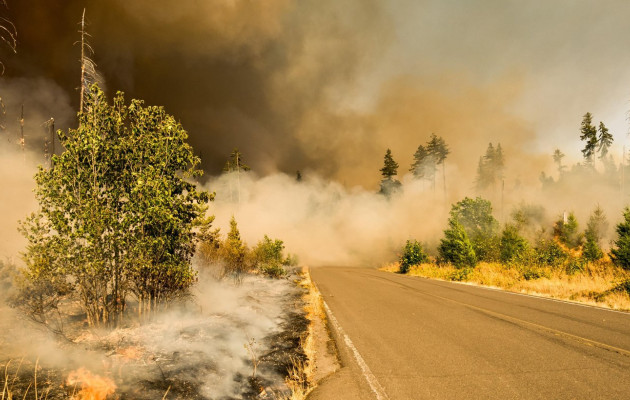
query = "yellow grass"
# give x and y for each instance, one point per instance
(300, 380)
(594, 285)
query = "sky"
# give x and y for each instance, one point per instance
(326, 86)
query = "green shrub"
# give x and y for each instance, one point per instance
(456, 248)
(574, 265)
(532, 272)
(548, 252)
(475, 215)
(623, 287)
(513, 245)
(460, 275)
(567, 232)
(621, 253)
(413, 254)
(269, 259)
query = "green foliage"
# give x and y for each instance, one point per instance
(389, 185)
(269, 258)
(513, 245)
(528, 219)
(574, 265)
(421, 167)
(390, 167)
(118, 210)
(588, 134)
(532, 272)
(234, 252)
(623, 287)
(620, 254)
(455, 247)
(595, 230)
(549, 252)
(461, 274)
(605, 140)
(475, 215)
(567, 231)
(413, 254)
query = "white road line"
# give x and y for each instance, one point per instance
(369, 376)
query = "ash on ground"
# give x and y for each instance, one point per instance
(229, 341)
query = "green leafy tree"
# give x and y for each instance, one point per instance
(475, 215)
(117, 212)
(566, 230)
(455, 247)
(605, 141)
(595, 231)
(413, 254)
(620, 254)
(389, 185)
(588, 134)
(513, 245)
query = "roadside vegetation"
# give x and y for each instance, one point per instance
(562, 262)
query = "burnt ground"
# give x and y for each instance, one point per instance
(191, 356)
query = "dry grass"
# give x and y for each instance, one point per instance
(597, 284)
(300, 380)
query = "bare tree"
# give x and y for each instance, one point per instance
(89, 75)
(8, 34)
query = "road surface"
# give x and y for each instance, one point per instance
(402, 337)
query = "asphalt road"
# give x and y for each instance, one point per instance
(403, 337)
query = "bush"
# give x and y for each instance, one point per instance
(456, 248)
(413, 254)
(620, 255)
(513, 246)
(269, 259)
(567, 232)
(475, 215)
(460, 275)
(548, 252)
(574, 265)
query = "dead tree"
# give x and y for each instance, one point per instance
(89, 75)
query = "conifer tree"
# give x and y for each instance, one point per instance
(605, 141)
(620, 254)
(588, 134)
(390, 167)
(595, 231)
(557, 158)
(437, 150)
(419, 168)
(389, 185)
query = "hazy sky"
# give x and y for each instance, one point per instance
(328, 85)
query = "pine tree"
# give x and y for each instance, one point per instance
(557, 158)
(513, 245)
(437, 151)
(490, 168)
(419, 168)
(605, 141)
(620, 255)
(389, 185)
(390, 167)
(567, 232)
(588, 134)
(234, 252)
(595, 231)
